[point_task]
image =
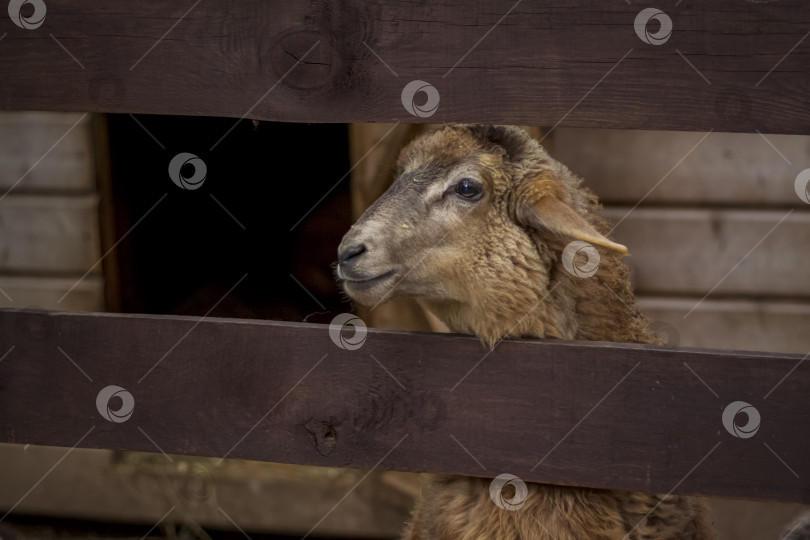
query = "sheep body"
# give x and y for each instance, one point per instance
(456, 507)
(490, 265)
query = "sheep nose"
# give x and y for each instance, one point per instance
(345, 255)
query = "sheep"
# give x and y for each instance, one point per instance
(475, 227)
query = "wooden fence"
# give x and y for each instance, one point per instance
(725, 66)
(582, 413)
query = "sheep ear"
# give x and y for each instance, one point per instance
(546, 212)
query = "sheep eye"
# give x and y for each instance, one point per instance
(469, 189)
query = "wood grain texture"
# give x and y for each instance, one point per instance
(105, 486)
(46, 152)
(49, 234)
(752, 324)
(694, 251)
(593, 414)
(559, 62)
(742, 169)
(44, 292)
(107, 214)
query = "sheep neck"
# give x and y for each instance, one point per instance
(555, 304)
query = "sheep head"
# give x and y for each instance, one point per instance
(474, 227)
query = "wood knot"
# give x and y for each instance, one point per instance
(324, 434)
(304, 58)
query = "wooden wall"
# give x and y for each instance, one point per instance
(49, 228)
(139, 488)
(702, 214)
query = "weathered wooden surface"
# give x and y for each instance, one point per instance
(45, 292)
(725, 65)
(108, 236)
(605, 415)
(45, 152)
(743, 169)
(53, 234)
(697, 251)
(751, 324)
(132, 488)
(49, 230)
(754, 519)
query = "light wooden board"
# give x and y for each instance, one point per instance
(49, 234)
(49, 152)
(694, 251)
(259, 497)
(742, 324)
(40, 118)
(45, 292)
(685, 168)
(757, 520)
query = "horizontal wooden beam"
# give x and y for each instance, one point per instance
(723, 169)
(45, 292)
(753, 323)
(723, 66)
(28, 138)
(135, 488)
(689, 251)
(52, 234)
(581, 413)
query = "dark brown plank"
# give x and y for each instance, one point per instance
(526, 63)
(604, 415)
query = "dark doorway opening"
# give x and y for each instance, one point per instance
(256, 238)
